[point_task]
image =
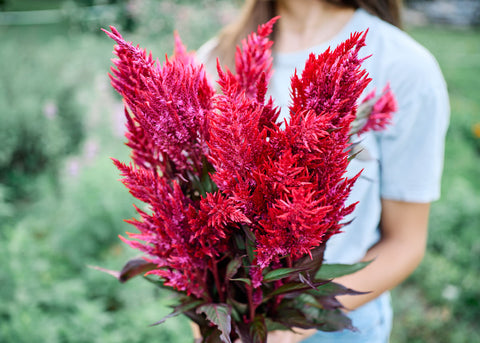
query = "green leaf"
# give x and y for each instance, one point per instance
(131, 269)
(332, 288)
(207, 184)
(273, 325)
(310, 304)
(243, 279)
(241, 308)
(239, 240)
(354, 152)
(179, 310)
(304, 299)
(157, 281)
(248, 233)
(313, 263)
(291, 317)
(220, 315)
(293, 287)
(287, 288)
(305, 316)
(281, 273)
(327, 302)
(250, 247)
(332, 271)
(135, 267)
(236, 315)
(258, 329)
(333, 320)
(308, 281)
(250, 243)
(232, 267)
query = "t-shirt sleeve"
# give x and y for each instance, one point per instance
(412, 149)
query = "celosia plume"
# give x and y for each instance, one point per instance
(180, 51)
(168, 105)
(166, 230)
(377, 111)
(331, 83)
(253, 61)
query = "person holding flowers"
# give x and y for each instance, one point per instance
(401, 166)
(293, 161)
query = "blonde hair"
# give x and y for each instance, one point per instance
(254, 13)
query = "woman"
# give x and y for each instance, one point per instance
(402, 165)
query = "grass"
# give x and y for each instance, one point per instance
(47, 293)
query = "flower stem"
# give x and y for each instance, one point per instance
(289, 261)
(202, 279)
(217, 281)
(251, 305)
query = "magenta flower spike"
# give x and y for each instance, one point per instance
(166, 108)
(380, 113)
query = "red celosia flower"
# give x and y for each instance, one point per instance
(253, 61)
(180, 51)
(168, 104)
(380, 114)
(331, 83)
(166, 230)
(253, 64)
(213, 222)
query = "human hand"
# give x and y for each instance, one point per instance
(281, 336)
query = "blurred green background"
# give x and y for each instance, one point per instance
(61, 205)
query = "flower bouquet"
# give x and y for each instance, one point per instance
(240, 206)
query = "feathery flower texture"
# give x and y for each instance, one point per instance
(237, 205)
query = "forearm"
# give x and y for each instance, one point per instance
(392, 262)
(394, 257)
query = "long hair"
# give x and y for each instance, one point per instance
(387, 10)
(256, 12)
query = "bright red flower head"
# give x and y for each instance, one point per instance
(167, 107)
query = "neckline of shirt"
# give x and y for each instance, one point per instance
(290, 58)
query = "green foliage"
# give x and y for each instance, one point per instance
(220, 315)
(31, 5)
(42, 121)
(331, 271)
(47, 293)
(196, 21)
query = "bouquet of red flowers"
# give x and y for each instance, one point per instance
(240, 206)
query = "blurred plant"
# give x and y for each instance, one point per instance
(239, 209)
(197, 20)
(41, 125)
(46, 291)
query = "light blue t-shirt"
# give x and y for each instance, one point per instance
(401, 163)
